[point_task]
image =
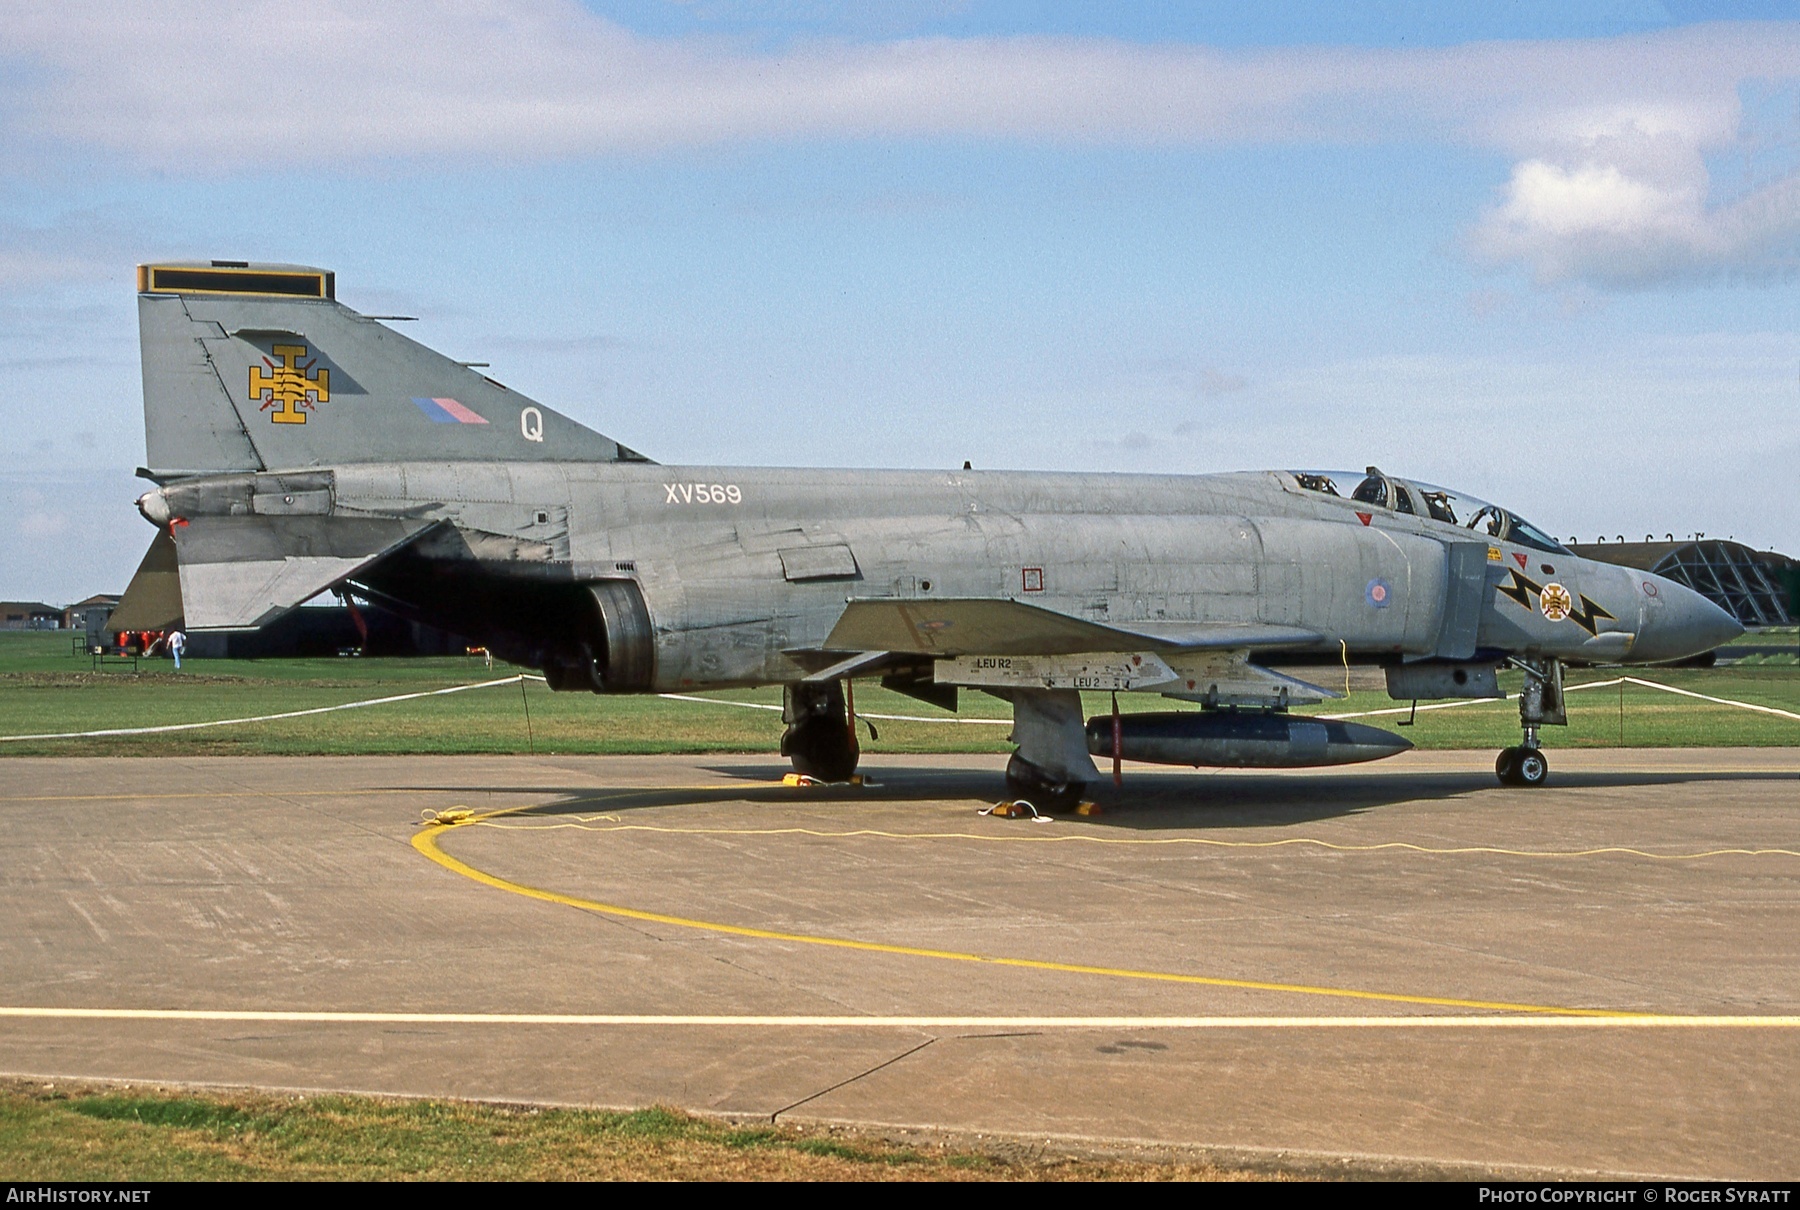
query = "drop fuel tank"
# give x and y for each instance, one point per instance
(1240, 739)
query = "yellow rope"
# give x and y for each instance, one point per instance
(591, 824)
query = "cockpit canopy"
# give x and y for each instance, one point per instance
(1432, 503)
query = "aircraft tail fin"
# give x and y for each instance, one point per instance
(259, 367)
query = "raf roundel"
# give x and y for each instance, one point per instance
(1378, 593)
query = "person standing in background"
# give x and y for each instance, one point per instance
(177, 645)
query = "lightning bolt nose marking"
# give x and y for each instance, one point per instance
(1521, 590)
(1589, 615)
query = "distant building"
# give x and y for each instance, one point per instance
(1757, 587)
(91, 615)
(29, 615)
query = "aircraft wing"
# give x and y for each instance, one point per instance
(239, 573)
(1220, 636)
(960, 626)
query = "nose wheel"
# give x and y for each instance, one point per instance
(1522, 767)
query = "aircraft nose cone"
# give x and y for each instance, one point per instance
(1688, 624)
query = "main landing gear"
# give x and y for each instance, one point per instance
(820, 738)
(1052, 765)
(1540, 704)
(1025, 782)
(1049, 770)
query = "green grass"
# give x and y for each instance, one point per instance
(53, 1134)
(45, 688)
(184, 1112)
(1620, 716)
(1787, 637)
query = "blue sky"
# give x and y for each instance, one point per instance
(1542, 252)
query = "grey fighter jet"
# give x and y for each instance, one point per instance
(298, 447)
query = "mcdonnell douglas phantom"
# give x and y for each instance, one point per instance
(298, 447)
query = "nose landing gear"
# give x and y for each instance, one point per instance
(1522, 766)
(1540, 704)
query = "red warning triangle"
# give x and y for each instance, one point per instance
(1365, 518)
(1523, 561)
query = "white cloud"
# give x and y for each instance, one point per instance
(214, 82)
(1593, 198)
(211, 83)
(1632, 208)
(1609, 136)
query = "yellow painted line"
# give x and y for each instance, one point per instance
(590, 824)
(425, 840)
(1639, 1021)
(557, 793)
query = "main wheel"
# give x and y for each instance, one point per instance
(1533, 768)
(1506, 766)
(820, 742)
(574, 670)
(823, 750)
(1026, 781)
